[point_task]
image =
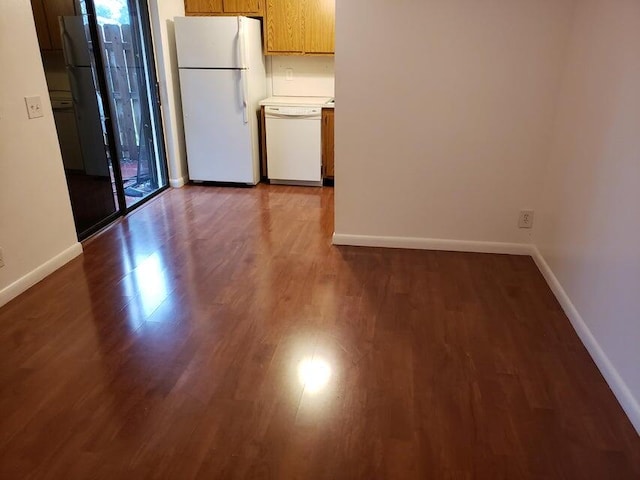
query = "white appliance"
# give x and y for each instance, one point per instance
(67, 127)
(84, 94)
(294, 144)
(222, 79)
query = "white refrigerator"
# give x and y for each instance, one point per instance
(84, 93)
(222, 80)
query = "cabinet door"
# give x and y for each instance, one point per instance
(284, 26)
(320, 26)
(42, 28)
(328, 146)
(202, 7)
(55, 9)
(241, 6)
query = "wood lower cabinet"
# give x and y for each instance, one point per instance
(328, 145)
(251, 8)
(300, 27)
(262, 126)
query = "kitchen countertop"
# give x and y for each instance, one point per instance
(299, 101)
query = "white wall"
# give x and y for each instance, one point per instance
(37, 233)
(301, 76)
(443, 115)
(162, 13)
(587, 226)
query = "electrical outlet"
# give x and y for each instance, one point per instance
(526, 219)
(1, 259)
(34, 106)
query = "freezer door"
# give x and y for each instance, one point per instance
(209, 42)
(75, 41)
(218, 140)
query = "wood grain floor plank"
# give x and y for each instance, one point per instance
(217, 333)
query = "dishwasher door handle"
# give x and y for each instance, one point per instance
(292, 117)
(301, 113)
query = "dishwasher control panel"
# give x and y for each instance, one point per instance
(293, 111)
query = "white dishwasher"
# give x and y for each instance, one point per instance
(294, 144)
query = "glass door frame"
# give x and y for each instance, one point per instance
(142, 9)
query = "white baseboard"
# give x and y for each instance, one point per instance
(625, 397)
(30, 279)
(178, 182)
(432, 244)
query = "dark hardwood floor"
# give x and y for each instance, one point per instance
(217, 334)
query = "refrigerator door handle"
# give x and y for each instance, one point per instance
(67, 51)
(245, 94)
(67, 45)
(241, 49)
(243, 72)
(72, 85)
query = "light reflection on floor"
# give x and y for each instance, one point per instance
(314, 373)
(151, 283)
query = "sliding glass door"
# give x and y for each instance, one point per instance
(81, 120)
(100, 71)
(127, 62)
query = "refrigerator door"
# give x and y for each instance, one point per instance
(210, 42)
(77, 54)
(89, 117)
(219, 142)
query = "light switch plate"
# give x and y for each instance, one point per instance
(34, 106)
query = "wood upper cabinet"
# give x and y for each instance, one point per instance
(328, 145)
(291, 27)
(42, 29)
(202, 7)
(297, 27)
(283, 30)
(319, 26)
(224, 7)
(240, 6)
(46, 14)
